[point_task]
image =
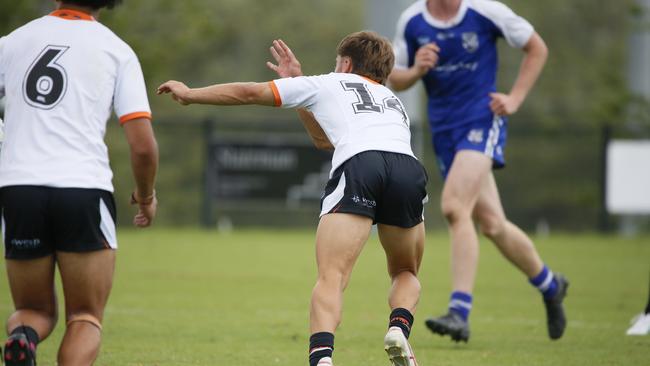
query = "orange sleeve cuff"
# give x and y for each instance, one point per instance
(276, 94)
(131, 116)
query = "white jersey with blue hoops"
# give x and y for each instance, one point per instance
(356, 113)
(458, 87)
(62, 74)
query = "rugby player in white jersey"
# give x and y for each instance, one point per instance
(61, 75)
(375, 177)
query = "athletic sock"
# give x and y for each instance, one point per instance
(29, 332)
(546, 283)
(320, 345)
(403, 319)
(461, 304)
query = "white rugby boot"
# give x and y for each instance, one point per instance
(398, 348)
(640, 325)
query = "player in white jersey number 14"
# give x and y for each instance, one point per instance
(375, 178)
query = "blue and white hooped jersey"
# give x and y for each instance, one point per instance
(458, 87)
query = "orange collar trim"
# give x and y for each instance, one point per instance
(370, 80)
(70, 14)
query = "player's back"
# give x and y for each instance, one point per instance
(61, 74)
(357, 113)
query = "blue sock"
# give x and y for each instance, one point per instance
(461, 304)
(545, 283)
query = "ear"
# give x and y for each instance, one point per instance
(346, 64)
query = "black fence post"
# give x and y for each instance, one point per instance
(207, 212)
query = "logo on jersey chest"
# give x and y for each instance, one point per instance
(470, 41)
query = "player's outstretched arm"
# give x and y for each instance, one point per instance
(220, 94)
(287, 65)
(144, 163)
(535, 55)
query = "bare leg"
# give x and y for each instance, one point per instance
(339, 241)
(459, 196)
(511, 241)
(32, 289)
(404, 249)
(87, 280)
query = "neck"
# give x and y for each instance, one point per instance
(443, 9)
(83, 9)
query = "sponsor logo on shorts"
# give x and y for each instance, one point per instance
(475, 136)
(26, 243)
(362, 201)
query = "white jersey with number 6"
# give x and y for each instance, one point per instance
(356, 113)
(62, 74)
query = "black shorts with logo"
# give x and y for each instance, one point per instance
(390, 188)
(38, 221)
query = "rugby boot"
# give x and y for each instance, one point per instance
(19, 351)
(555, 317)
(398, 348)
(451, 324)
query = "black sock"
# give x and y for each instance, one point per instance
(647, 307)
(320, 345)
(402, 318)
(29, 332)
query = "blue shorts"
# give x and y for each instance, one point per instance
(487, 137)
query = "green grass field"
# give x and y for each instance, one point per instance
(189, 297)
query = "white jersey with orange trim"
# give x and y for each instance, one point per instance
(356, 113)
(62, 74)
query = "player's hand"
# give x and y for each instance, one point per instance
(287, 63)
(179, 91)
(504, 104)
(426, 58)
(147, 208)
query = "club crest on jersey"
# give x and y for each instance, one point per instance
(422, 40)
(475, 136)
(470, 41)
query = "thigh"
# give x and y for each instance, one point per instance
(339, 240)
(403, 246)
(25, 226)
(466, 178)
(32, 284)
(87, 280)
(488, 207)
(83, 220)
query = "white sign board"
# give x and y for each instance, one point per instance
(628, 177)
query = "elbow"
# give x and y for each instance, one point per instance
(323, 145)
(251, 93)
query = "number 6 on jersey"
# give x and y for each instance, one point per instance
(46, 81)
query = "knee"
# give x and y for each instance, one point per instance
(84, 318)
(492, 226)
(453, 210)
(333, 278)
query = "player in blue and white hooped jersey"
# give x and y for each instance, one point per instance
(451, 46)
(375, 177)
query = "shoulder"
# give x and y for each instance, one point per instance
(116, 44)
(26, 29)
(491, 9)
(414, 11)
